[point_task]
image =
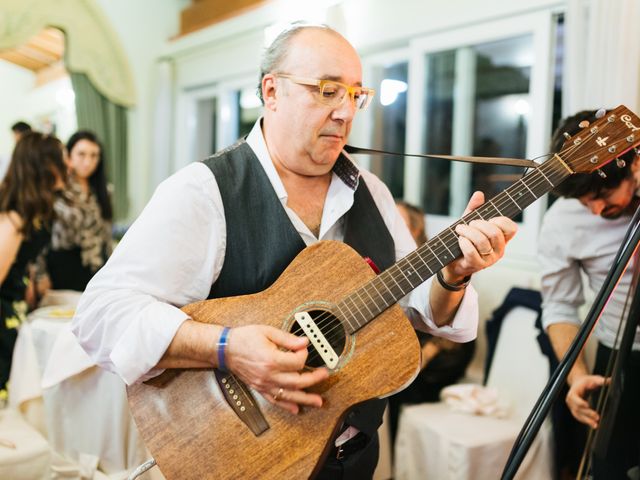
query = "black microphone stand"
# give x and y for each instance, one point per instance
(558, 378)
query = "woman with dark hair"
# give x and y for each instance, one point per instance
(81, 235)
(27, 194)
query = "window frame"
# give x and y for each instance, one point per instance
(227, 112)
(541, 25)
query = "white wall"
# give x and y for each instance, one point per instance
(22, 100)
(15, 83)
(52, 102)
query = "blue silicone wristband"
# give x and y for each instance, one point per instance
(222, 345)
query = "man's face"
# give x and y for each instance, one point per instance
(308, 135)
(611, 204)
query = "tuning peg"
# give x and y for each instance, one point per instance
(567, 136)
(601, 113)
(637, 150)
(620, 163)
(602, 174)
(584, 124)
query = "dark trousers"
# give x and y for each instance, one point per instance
(359, 465)
(621, 452)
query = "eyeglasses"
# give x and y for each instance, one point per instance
(332, 93)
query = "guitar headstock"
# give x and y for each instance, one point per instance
(602, 141)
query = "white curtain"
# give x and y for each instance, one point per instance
(602, 55)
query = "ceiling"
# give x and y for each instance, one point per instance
(40, 52)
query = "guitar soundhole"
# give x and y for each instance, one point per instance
(331, 329)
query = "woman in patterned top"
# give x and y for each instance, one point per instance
(81, 235)
(27, 194)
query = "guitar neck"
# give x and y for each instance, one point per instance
(367, 302)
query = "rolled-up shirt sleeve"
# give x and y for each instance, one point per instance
(561, 283)
(129, 313)
(464, 326)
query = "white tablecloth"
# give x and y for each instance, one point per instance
(85, 413)
(24, 453)
(435, 443)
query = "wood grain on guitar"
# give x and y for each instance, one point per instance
(200, 424)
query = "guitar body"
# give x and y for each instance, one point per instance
(191, 430)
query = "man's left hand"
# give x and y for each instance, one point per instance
(482, 241)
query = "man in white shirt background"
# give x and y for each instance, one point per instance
(580, 235)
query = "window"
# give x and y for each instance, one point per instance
(485, 90)
(477, 103)
(249, 110)
(389, 112)
(206, 127)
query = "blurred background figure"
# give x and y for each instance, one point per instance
(414, 218)
(81, 236)
(443, 362)
(27, 195)
(18, 129)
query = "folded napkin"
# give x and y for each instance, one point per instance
(475, 400)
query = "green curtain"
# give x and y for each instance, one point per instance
(109, 122)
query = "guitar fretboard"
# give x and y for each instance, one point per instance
(374, 297)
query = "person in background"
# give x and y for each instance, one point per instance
(81, 236)
(580, 235)
(443, 362)
(27, 195)
(18, 129)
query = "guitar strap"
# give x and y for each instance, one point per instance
(261, 240)
(514, 162)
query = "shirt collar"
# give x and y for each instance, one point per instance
(344, 168)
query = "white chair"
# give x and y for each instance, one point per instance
(435, 442)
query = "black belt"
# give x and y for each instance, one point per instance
(351, 446)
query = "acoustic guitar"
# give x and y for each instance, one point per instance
(205, 424)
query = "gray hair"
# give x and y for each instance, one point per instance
(275, 53)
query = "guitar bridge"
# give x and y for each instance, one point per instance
(240, 399)
(317, 338)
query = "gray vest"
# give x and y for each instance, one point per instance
(262, 240)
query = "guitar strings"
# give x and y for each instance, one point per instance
(501, 202)
(404, 281)
(437, 252)
(498, 203)
(321, 319)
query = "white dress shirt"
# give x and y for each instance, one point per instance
(574, 240)
(174, 252)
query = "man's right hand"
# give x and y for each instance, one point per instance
(577, 402)
(271, 361)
